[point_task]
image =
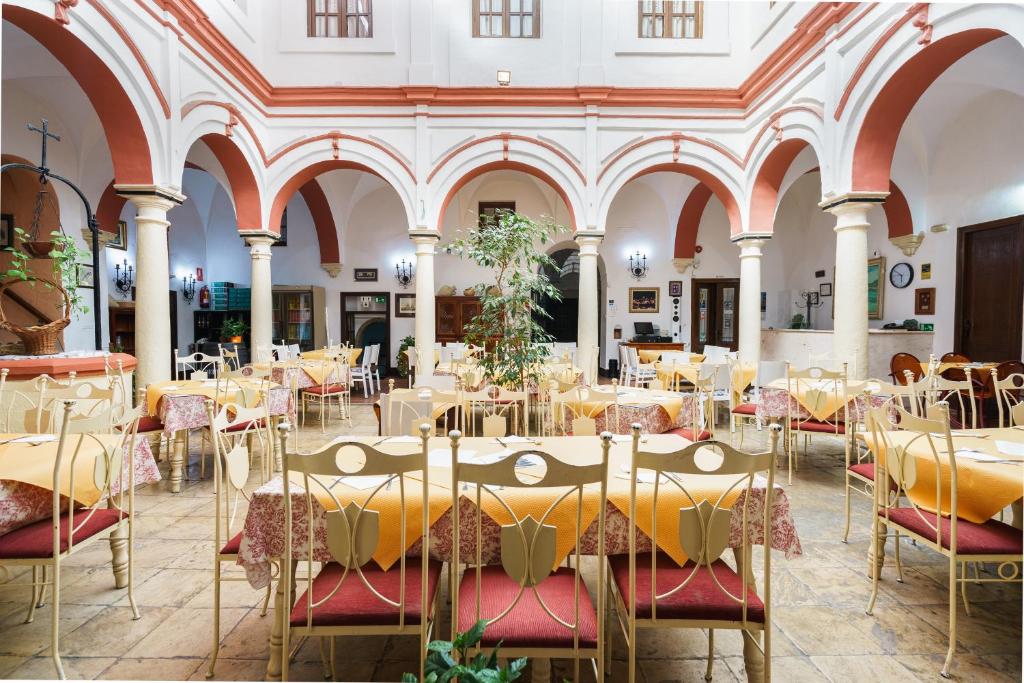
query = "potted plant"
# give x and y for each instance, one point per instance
(797, 323)
(510, 305)
(441, 667)
(65, 256)
(402, 363)
(232, 330)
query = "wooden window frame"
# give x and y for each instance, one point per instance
(667, 14)
(505, 20)
(494, 206)
(343, 16)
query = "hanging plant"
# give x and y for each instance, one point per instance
(64, 254)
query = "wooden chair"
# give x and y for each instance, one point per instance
(900, 363)
(941, 529)
(232, 428)
(46, 544)
(531, 608)
(1009, 393)
(651, 590)
(807, 381)
(335, 390)
(351, 595)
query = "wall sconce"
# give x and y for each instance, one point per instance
(188, 288)
(123, 278)
(504, 78)
(403, 273)
(638, 266)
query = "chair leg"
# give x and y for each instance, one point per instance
(873, 560)
(216, 618)
(963, 587)
(35, 595)
(711, 653)
(266, 599)
(846, 526)
(55, 623)
(952, 618)
(896, 556)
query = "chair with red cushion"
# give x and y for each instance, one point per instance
(929, 512)
(352, 594)
(102, 505)
(902, 363)
(651, 590)
(333, 391)
(1008, 389)
(815, 384)
(531, 607)
(233, 431)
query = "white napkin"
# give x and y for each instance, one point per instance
(35, 438)
(621, 438)
(977, 456)
(400, 439)
(516, 439)
(442, 457)
(1010, 448)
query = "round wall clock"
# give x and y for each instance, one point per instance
(901, 275)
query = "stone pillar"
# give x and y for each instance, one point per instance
(750, 296)
(587, 331)
(262, 302)
(425, 242)
(152, 280)
(850, 289)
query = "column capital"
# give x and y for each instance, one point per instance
(155, 196)
(424, 236)
(746, 240)
(588, 241)
(333, 269)
(681, 264)
(850, 201)
(254, 237)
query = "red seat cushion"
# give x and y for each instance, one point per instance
(865, 470)
(745, 409)
(354, 605)
(687, 433)
(149, 423)
(36, 539)
(816, 426)
(991, 538)
(325, 389)
(527, 624)
(242, 426)
(702, 598)
(233, 545)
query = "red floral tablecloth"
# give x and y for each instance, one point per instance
(22, 504)
(263, 530)
(284, 375)
(775, 403)
(652, 418)
(188, 411)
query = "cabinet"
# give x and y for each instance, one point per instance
(451, 316)
(298, 317)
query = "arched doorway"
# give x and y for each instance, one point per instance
(564, 274)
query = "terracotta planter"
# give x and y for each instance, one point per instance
(39, 249)
(236, 340)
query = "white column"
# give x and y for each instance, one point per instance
(750, 298)
(587, 330)
(152, 280)
(262, 301)
(425, 242)
(850, 289)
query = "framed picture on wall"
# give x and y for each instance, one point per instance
(825, 289)
(644, 299)
(365, 274)
(405, 305)
(120, 240)
(6, 230)
(675, 287)
(924, 301)
(86, 275)
(876, 287)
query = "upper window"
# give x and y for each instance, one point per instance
(340, 19)
(671, 19)
(506, 18)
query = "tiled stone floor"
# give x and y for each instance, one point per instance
(820, 629)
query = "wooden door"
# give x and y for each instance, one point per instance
(990, 290)
(714, 314)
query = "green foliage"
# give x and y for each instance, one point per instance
(233, 327)
(403, 360)
(65, 256)
(441, 667)
(507, 244)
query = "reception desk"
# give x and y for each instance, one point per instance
(800, 346)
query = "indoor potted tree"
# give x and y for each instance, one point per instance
(232, 330)
(65, 257)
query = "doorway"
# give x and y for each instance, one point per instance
(990, 290)
(366, 320)
(714, 313)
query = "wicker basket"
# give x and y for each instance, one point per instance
(39, 340)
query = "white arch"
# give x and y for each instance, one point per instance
(795, 124)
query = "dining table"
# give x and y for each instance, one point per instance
(656, 410)
(818, 399)
(330, 354)
(262, 541)
(27, 463)
(181, 407)
(304, 373)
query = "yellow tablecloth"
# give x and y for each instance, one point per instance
(983, 488)
(980, 370)
(324, 354)
(740, 377)
(819, 397)
(671, 402)
(652, 355)
(674, 374)
(208, 388)
(318, 371)
(535, 502)
(34, 464)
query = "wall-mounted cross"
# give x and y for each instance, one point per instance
(45, 132)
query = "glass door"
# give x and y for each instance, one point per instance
(293, 319)
(366, 320)
(715, 314)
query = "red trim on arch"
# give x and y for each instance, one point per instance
(506, 165)
(126, 139)
(303, 177)
(689, 221)
(732, 208)
(897, 213)
(244, 190)
(765, 196)
(323, 220)
(108, 211)
(876, 141)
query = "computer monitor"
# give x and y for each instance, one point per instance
(643, 328)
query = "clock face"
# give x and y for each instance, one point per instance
(901, 275)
